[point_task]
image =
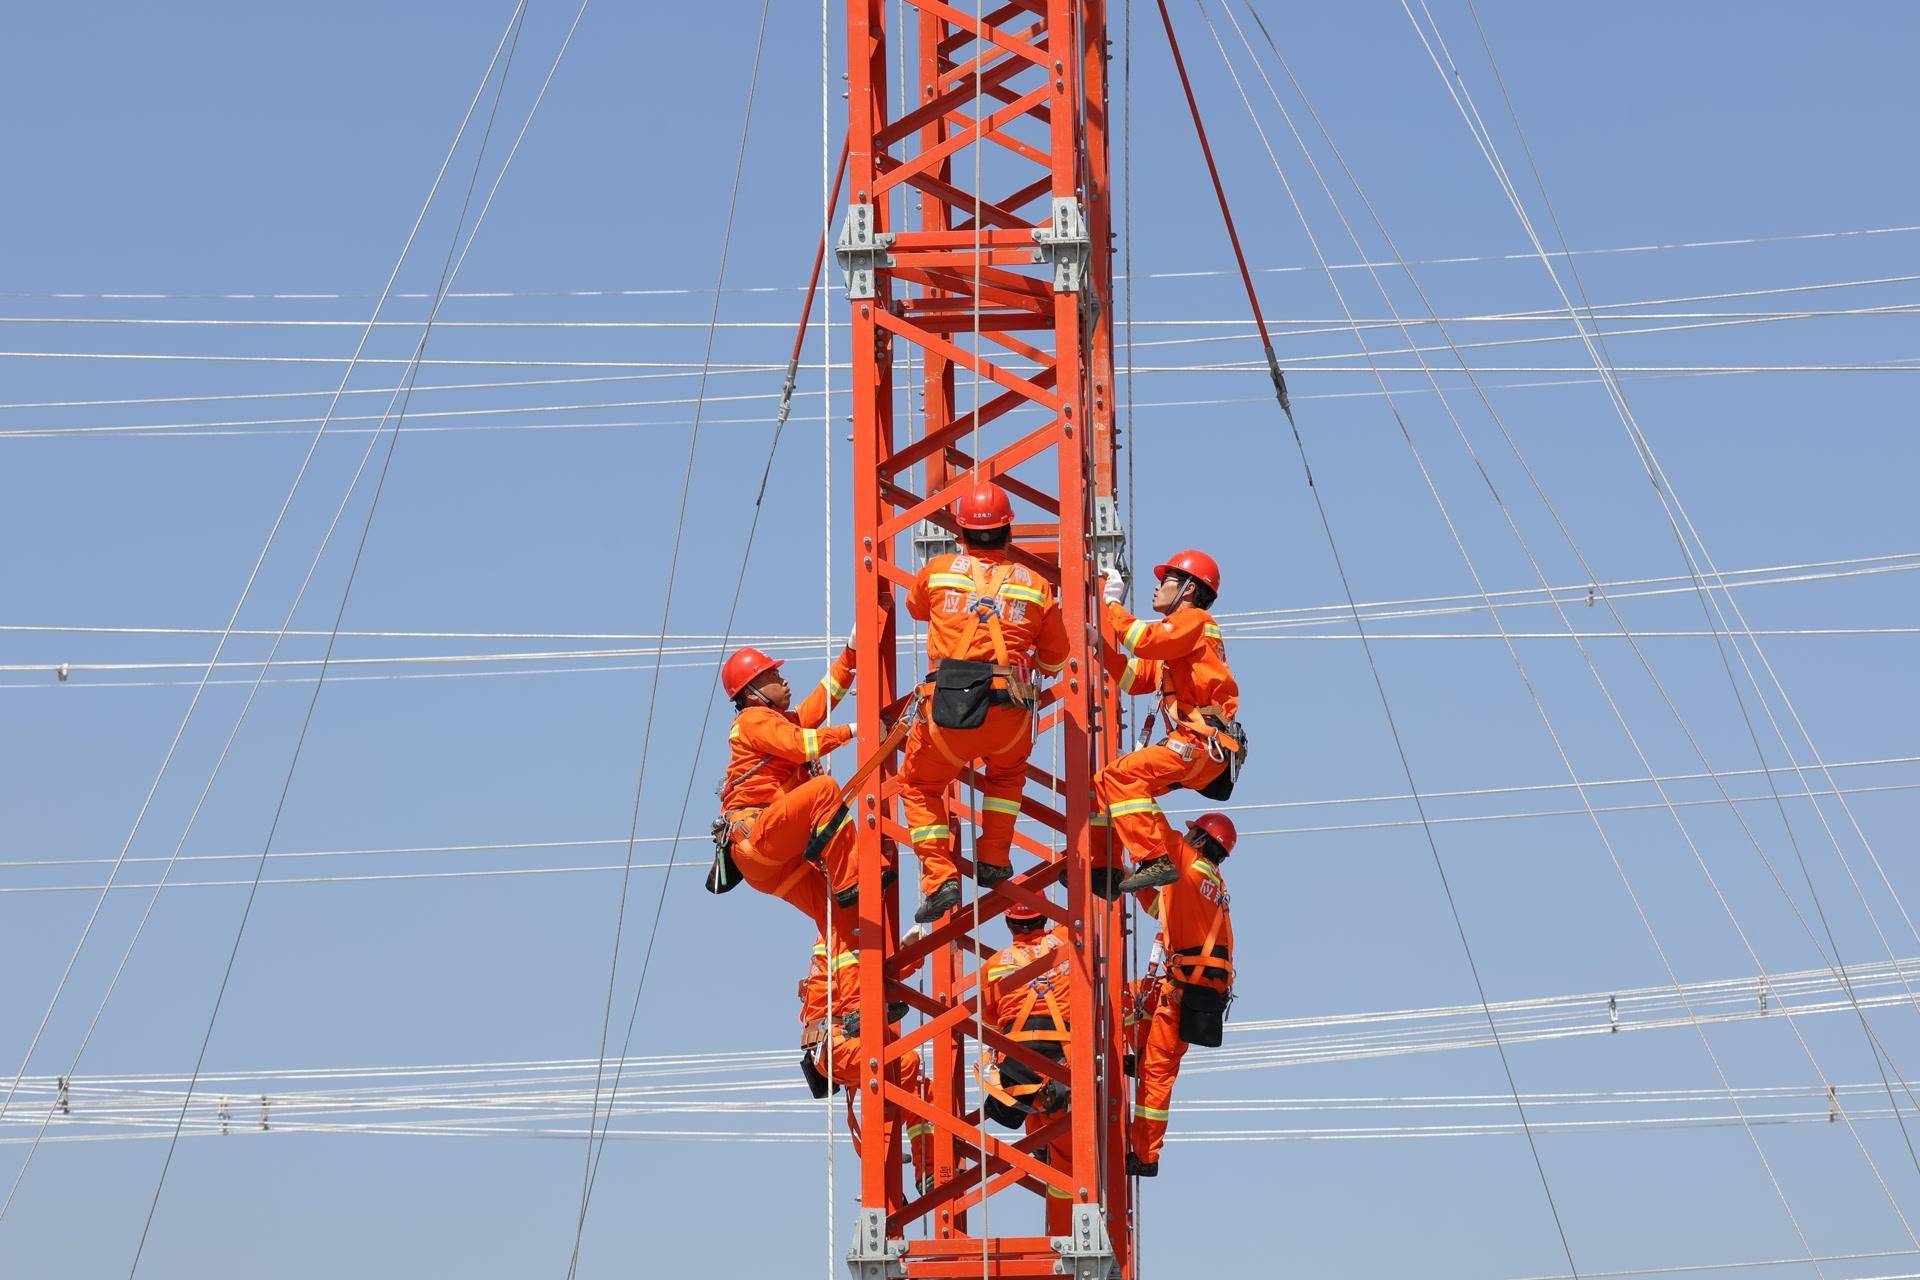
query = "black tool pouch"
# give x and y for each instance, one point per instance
(962, 693)
(817, 1084)
(1203, 1015)
(724, 874)
(1220, 789)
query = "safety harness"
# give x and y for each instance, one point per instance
(1203, 978)
(1040, 1024)
(961, 689)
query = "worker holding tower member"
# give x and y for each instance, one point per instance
(776, 801)
(830, 1045)
(1026, 1000)
(992, 623)
(1183, 661)
(1189, 983)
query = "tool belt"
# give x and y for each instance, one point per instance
(962, 691)
(1202, 978)
(1225, 740)
(1013, 1090)
(730, 826)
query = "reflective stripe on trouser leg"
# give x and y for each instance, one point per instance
(1129, 788)
(1159, 1068)
(1003, 765)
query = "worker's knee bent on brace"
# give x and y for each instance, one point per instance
(994, 628)
(1182, 661)
(775, 797)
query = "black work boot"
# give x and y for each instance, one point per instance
(1151, 875)
(988, 874)
(1138, 1168)
(1106, 883)
(938, 903)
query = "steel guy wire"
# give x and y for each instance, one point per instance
(591, 1168)
(1593, 670)
(1651, 247)
(489, 873)
(1293, 615)
(1406, 768)
(1665, 488)
(450, 270)
(447, 271)
(1710, 607)
(274, 530)
(1463, 101)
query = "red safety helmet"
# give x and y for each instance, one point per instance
(1197, 565)
(1217, 825)
(985, 506)
(743, 668)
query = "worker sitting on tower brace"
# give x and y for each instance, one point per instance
(1184, 661)
(1026, 1000)
(1183, 999)
(991, 623)
(776, 803)
(830, 1049)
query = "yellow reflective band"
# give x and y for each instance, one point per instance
(1000, 806)
(1057, 1193)
(1011, 592)
(1128, 676)
(733, 734)
(1133, 635)
(1002, 971)
(1051, 668)
(834, 688)
(1149, 1113)
(955, 581)
(1126, 807)
(1211, 632)
(919, 1130)
(1206, 869)
(810, 738)
(940, 832)
(820, 948)
(844, 959)
(1100, 820)
(1153, 906)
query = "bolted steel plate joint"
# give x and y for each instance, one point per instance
(862, 250)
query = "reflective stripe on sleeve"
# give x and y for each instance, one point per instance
(1149, 1113)
(810, 739)
(1051, 668)
(918, 1131)
(1133, 635)
(834, 689)
(1212, 632)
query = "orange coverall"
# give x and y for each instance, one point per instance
(1194, 927)
(1034, 1012)
(1184, 661)
(775, 801)
(844, 1067)
(982, 607)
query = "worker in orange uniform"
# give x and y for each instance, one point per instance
(830, 1050)
(775, 800)
(1026, 1000)
(1187, 1002)
(1183, 660)
(991, 624)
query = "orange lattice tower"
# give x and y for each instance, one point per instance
(977, 255)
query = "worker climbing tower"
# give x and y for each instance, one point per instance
(978, 263)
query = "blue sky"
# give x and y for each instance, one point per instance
(263, 151)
